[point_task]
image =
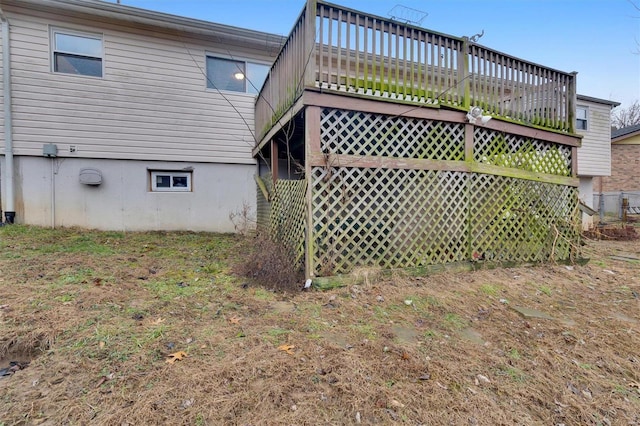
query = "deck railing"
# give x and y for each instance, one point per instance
(339, 49)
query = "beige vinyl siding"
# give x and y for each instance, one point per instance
(1, 110)
(152, 102)
(594, 157)
(629, 140)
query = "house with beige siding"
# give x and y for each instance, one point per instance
(119, 118)
(371, 142)
(593, 122)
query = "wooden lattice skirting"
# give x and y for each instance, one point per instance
(288, 218)
(393, 218)
(426, 205)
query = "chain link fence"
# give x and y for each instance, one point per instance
(611, 206)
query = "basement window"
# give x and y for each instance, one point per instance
(76, 52)
(582, 114)
(163, 181)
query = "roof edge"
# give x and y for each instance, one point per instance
(597, 100)
(149, 17)
(625, 132)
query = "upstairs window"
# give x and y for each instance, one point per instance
(582, 114)
(76, 53)
(235, 76)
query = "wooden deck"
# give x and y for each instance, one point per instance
(342, 51)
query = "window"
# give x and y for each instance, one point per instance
(162, 181)
(76, 53)
(581, 117)
(235, 76)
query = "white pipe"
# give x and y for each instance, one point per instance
(9, 207)
(53, 193)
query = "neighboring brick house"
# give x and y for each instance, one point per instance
(625, 161)
(625, 170)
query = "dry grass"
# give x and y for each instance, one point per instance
(97, 313)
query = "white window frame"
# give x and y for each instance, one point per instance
(229, 58)
(153, 174)
(586, 119)
(52, 43)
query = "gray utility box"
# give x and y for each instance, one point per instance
(50, 150)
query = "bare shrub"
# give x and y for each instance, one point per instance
(243, 219)
(269, 264)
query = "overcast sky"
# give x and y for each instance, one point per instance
(597, 38)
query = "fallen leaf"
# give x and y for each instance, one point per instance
(234, 320)
(397, 403)
(158, 321)
(176, 356)
(286, 348)
(483, 379)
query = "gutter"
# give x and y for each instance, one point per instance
(136, 17)
(9, 213)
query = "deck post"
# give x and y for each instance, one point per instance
(274, 161)
(468, 142)
(572, 101)
(463, 73)
(311, 11)
(468, 158)
(312, 146)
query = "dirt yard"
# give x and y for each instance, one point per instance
(108, 328)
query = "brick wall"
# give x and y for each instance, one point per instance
(625, 169)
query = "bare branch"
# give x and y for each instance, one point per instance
(625, 117)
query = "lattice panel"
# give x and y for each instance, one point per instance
(387, 217)
(288, 216)
(361, 133)
(506, 150)
(263, 213)
(520, 220)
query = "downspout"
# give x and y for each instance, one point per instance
(10, 212)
